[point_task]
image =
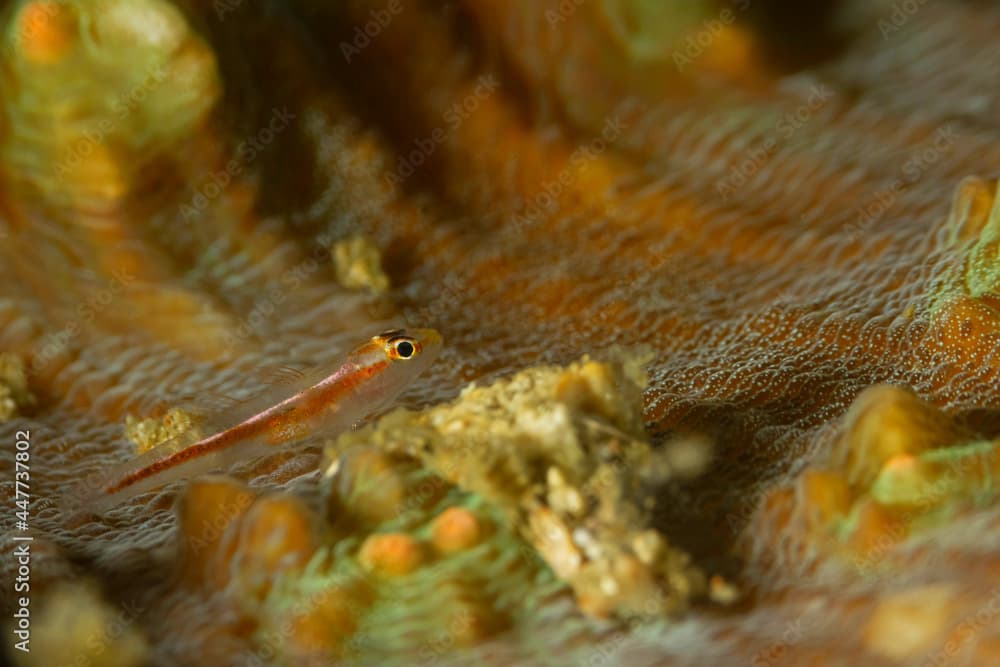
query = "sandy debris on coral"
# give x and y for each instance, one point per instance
(358, 264)
(563, 452)
(14, 393)
(150, 432)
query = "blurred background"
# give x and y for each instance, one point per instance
(772, 224)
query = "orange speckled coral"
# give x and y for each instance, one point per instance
(805, 239)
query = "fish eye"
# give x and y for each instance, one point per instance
(402, 348)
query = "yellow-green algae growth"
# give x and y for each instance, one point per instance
(650, 29)
(563, 454)
(973, 227)
(899, 468)
(982, 271)
(430, 603)
(95, 91)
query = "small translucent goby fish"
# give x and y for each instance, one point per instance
(326, 400)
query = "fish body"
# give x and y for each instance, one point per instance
(328, 400)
